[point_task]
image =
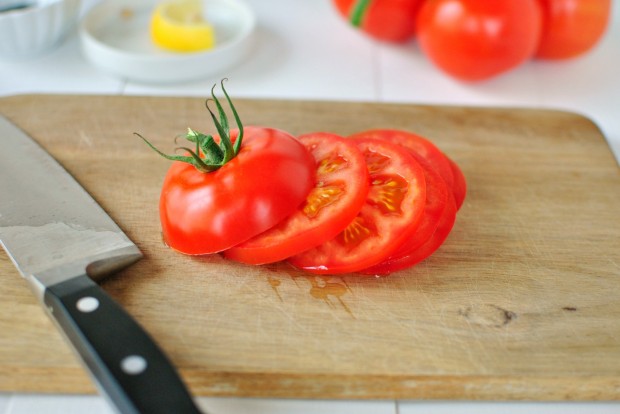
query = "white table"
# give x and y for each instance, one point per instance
(305, 51)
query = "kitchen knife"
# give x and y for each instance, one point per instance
(60, 239)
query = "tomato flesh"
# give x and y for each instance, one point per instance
(435, 159)
(390, 214)
(339, 192)
(205, 213)
(441, 199)
(444, 227)
(437, 194)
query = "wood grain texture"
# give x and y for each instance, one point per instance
(521, 303)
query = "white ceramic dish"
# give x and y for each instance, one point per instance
(37, 28)
(115, 38)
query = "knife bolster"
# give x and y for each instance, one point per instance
(96, 267)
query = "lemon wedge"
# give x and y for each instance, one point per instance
(179, 26)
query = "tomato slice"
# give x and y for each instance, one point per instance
(437, 194)
(338, 195)
(436, 160)
(206, 213)
(422, 146)
(389, 216)
(459, 189)
(446, 222)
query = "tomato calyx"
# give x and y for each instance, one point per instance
(208, 154)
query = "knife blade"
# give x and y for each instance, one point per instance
(62, 241)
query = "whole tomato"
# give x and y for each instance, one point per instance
(572, 27)
(233, 186)
(204, 213)
(478, 39)
(387, 20)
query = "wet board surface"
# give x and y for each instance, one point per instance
(520, 303)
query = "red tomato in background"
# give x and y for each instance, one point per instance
(390, 215)
(267, 181)
(388, 20)
(572, 27)
(340, 191)
(477, 39)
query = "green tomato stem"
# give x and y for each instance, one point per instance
(358, 12)
(209, 155)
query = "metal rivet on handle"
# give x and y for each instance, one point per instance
(87, 304)
(133, 364)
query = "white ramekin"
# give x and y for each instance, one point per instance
(36, 29)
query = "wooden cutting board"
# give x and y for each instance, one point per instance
(521, 303)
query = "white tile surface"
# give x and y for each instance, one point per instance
(407, 76)
(506, 408)
(5, 400)
(305, 51)
(62, 71)
(271, 406)
(66, 404)
(58, 404)
(71, 404)
(302, 51)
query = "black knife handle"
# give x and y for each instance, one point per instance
(129, 367)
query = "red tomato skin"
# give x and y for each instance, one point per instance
(298, 232)
(446, 223)
(332, 257)
(572, 27)
(385, 20)
(437, 194)
(204, 213)
(459, 189)
(473, 40)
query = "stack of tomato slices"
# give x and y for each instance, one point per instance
(383, 201)
(378, 201)
(372, 203)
